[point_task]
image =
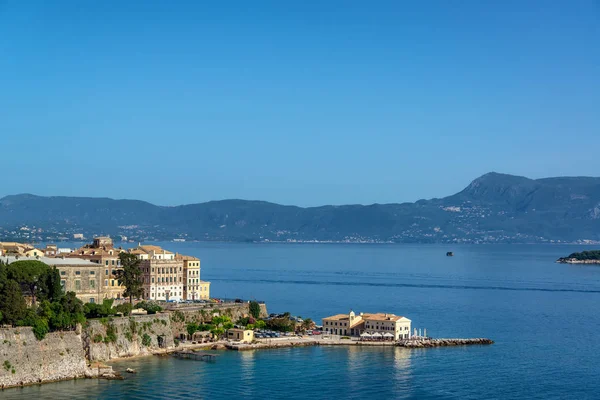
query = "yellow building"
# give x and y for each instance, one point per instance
(103, 253)
(204, 290)
(33, 253)
(380, 323)
(191, 273)
(242, 335)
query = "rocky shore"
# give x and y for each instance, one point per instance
(422, 343)
(565, 260)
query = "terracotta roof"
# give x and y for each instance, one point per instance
(156, 249)
(338, 317)
(381, 317)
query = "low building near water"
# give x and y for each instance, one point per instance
(242, 335)
(371, 324)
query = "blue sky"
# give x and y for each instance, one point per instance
(303, 103)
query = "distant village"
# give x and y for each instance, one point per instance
(88, 270)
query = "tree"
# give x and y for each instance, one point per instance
(260, 324)
(30, 275)
(191, 328)
(254, 309)
(49, 287)
(130, 276)
(307, 324)
(12, 302)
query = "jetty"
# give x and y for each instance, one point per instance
(192, 355)
(428, 342)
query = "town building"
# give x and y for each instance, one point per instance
(14, 248)
(191, 273)
(242, 335)
(355, 325)
(33, 252)
(103, 252)
(163, 273)
(76, 275)
(51, 250)
(204, 290)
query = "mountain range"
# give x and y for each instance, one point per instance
(493, 208)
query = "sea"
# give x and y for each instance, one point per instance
(544, 318)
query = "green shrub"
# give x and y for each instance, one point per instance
(111, 334)
(97, 338)
(146, 340)
(124, 308)
(176, 341)
(40, 328)
(345, 337)
(7, 365)
(151, 307)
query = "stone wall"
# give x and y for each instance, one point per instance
(25, 360)
(121, 337)
(181, 316)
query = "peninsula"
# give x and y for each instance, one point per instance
(584, 257)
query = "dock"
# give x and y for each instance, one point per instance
(192, 355)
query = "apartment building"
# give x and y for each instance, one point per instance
(163, 273)
(102, 252)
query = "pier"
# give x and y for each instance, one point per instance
(192, 355)
(428, 342)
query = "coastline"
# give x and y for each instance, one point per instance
(576, 261)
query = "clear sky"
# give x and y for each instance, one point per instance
(305, 102)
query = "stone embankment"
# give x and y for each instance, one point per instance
(421, 343)
(59, 356)
(70, 355)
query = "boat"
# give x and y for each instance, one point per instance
(449, 254)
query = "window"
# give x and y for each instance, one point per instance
(152, 270)
(106, 272)
(106, 282)
(63, 283)
(92, 272)
(106, 262)
(112, 282)
(152, 280)
(92, 284)
(77, 272)
(63, 273)
(113, 262)
(92, 300)
(77, 285)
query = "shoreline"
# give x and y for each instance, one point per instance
(576, 261)
(105, 370)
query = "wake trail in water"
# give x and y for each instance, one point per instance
(409, 285)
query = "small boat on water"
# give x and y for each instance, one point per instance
(449, 254)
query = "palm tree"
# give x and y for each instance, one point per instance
(307, 324)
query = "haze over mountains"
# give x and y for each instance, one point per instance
(493, 208)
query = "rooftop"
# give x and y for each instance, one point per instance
(52, 261)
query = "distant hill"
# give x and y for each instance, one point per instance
(493, 208)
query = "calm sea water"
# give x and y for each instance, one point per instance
(543, 316)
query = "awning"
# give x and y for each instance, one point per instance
(376, 334)
(365, 334)
(387, 334)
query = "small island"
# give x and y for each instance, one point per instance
(584, 257)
